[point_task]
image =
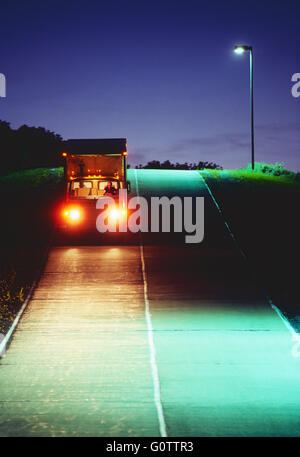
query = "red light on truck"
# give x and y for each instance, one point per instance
(64, 154)
(115, 214)
(72, 214)
(124, 153)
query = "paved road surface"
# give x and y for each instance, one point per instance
(80, 361)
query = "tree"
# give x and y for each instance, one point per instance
(28, 147)
(167, 165)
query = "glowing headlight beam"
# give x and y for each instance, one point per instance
(115, 214)
(72, 215)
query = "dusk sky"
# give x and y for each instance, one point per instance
(161, 73)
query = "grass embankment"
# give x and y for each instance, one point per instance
(262, 211)
(28, 199)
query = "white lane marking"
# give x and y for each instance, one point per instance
(224, 220)
(153, 363)
(8, 335)
(295, 336)
(38, 274)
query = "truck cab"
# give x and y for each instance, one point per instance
(93, 168)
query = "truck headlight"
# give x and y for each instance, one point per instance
(115, 214)
(73, 215)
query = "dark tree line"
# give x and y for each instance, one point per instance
(36, 147)
(28, 147)
(167, 165)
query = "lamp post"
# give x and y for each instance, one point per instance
(241, 50)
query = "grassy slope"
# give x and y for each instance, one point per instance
(262, 212)
(27, 197)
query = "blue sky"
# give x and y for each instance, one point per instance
(161, 73)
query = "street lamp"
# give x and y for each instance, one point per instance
(241, 50)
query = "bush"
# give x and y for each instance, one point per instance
(273, 170)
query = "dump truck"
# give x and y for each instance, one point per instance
(93, 168)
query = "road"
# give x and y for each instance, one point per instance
(163, 338)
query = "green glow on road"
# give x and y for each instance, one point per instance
(166, 182)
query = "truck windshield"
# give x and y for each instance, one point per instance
(103, 184)
(81, 188)
(91, 189)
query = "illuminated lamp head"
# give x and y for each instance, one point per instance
(241, 49)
